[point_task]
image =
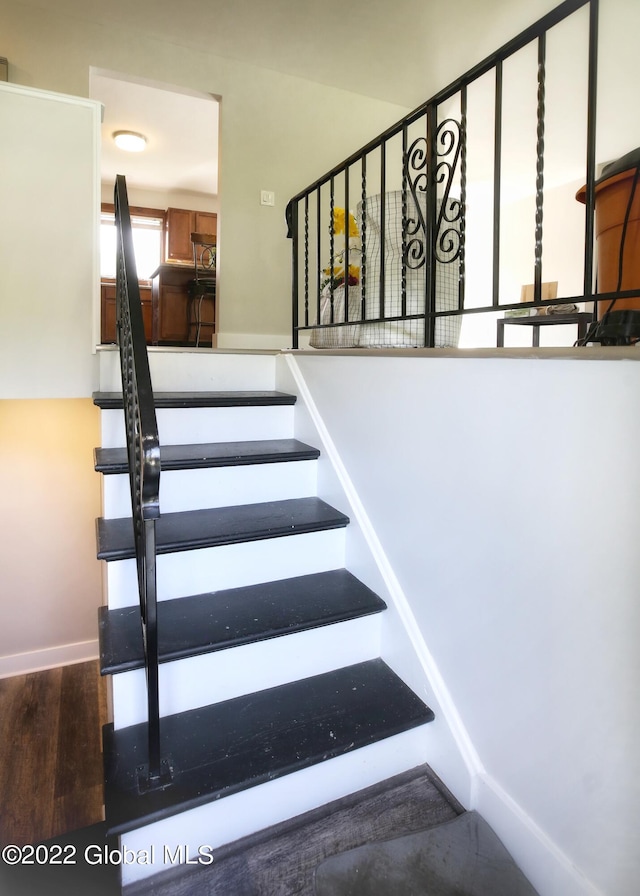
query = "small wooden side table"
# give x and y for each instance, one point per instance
(581, 318)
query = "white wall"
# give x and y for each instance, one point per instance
(49, 185)
(164, 198)
(51, 584)
(504, 493)
(50, 496)
(562, 261)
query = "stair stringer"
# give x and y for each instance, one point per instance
(448, 748)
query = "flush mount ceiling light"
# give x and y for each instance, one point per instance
(130, 141)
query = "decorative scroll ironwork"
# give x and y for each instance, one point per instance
(448, 143)
(143, 451)
(417, 177)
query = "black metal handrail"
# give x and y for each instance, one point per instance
(143, 450)
(430, 195)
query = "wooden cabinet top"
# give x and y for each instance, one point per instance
(180, 268)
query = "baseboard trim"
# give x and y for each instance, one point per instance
(277, 341)
(48, 658)
(547, 867)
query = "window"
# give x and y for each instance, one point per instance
(147, 226)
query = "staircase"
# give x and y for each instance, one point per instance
(274, 698)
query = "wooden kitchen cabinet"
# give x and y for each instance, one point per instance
(170, 290)
(108, 305)
(180, 224)
(172, 314)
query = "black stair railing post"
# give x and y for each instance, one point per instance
(143, 452)
(291, 215)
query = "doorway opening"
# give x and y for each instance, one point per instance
(172, 187)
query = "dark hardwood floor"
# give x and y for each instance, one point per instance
(51, 752)
(51, 787)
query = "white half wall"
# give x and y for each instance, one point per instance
(49, 281)
(504, 493)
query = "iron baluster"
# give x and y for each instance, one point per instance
(331, 251)
(306, 261)
(463, 195)
(537, 287)
(383, 229)
(497, 162)
(347, 244)
(318, 252)
(363, 241)
(430, 229)
(405, 178)
(591, 151)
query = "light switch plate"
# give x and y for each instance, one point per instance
(267, 197)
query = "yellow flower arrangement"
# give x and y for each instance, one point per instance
(335, 273)
(338, 275)
(339, 223)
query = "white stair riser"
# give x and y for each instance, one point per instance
(182, 426)
(216, 487)
(238, 815)
(213, 677)
(230, 566)
(196, 371)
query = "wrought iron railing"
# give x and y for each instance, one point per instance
(144, 469)
(394, 270)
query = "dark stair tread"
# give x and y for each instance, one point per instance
(192, 529)
(212, 454)
(110, 400)
(225, 748)
(205, 623)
